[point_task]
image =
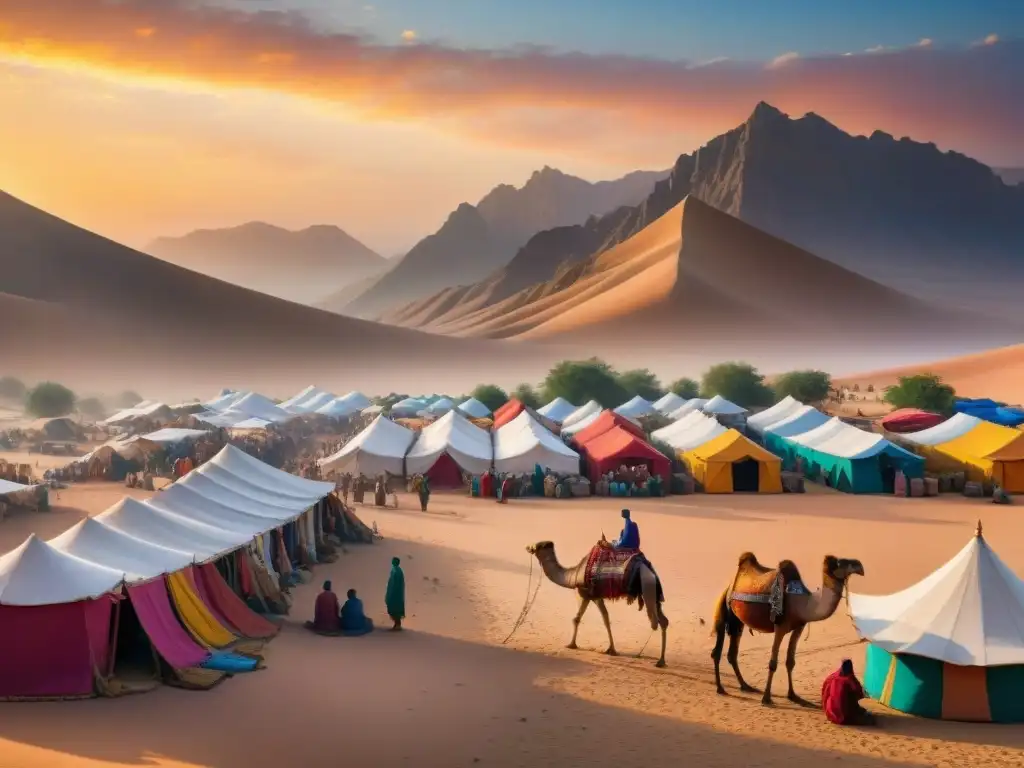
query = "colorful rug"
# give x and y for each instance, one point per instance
(608, 571)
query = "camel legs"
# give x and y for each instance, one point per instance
(654, 612)
(773, 665)
(734, 661)
(584, 604)
(607, 625)
(790, 663)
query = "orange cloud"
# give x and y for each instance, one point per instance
(971, 99)
(145, 31)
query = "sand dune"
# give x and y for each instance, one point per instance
(998, 373)
(697, 279)
(91, 312)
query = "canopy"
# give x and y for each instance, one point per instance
(338, 408)
(441, 405)
(172, 435)
(523, 443)
(603, 423)
(781, 410)
(693, 404)
(800, 421)
(690, 431)
(731, 462)
(379, 448)
(558, 410)
(508, 412)
(8, 487)
(138, 560)
(474, 409)
(910, 420)
(408, 407)
(618, 446)
(591, 408)
(968, 612)
(989, 452)
(959, 424)
(307, 401)
(990, 410)
(838, 438)
(358, 399)
(668, 403)
(225, 400)
(635, 408)
(37, 573)
(719, 406)
(578, 426)
(254, 405)
(452, 434)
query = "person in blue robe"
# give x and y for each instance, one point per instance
(630, 536)
(354, 621)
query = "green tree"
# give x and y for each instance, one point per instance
(50, 399)
(805, 386)
(92, 408)
(738, 382)
(490, 395)
(685, 388)
(925, 391)
(12, 388)
(127, 399)
(640, 381)
(579, 381)
(527, 395)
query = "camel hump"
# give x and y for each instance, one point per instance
(789, 571)
(747, 558)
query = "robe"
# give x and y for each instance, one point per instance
(394, 597)
(840, 698)
(630, 536)
(353, 619)
(325, 612)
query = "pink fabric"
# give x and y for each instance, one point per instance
(98, 624)
(200, 589)
(241, 617)
(153, 607)
(45, 650)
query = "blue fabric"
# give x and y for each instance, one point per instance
(231, 663)
(630, 536)
(353, 619)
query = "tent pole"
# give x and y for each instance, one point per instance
(113, 638)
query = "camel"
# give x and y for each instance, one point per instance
(775, 601)
(573, 578)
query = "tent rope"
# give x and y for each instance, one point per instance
(527, 605)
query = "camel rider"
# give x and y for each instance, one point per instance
(630, 536)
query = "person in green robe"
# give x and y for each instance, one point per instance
(394, 597)
(538, 480)
(424, 492)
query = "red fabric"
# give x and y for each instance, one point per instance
(326, 613)
(46, 650)
(605, 574)
(603, 423)
(200, 589)
(152, 605)
(229, 605)
(910, 420)
(840, 695)
(507, 412)
(445, 473)
(98, 615)
(487, 485)
(610, 450)
(244, 574)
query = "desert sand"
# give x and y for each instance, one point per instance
(448, 693)
(998, 373)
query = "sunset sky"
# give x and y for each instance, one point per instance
(140, 118)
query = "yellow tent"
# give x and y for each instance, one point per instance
(194, 614)
(731, 462)
(988, 453)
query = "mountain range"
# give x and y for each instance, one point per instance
(477, 239)
(1011, 175)
(303, 266)
(937, 225)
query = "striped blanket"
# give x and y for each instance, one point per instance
(608, 572)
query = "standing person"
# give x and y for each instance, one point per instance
(424, 492)
(359, 489)
(394, 597)
(630, 536)
(380, 495)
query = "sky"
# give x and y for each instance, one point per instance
(143, 118)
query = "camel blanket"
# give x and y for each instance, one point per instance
(613, 574)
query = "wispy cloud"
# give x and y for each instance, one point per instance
(409, 35)
(979, 106)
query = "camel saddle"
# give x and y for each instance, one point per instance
(759, 595)
(613, 573)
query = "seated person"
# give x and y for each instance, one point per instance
(840, 698)
(353, 621)
(630, 536)
(325, 611)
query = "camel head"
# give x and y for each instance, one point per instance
(841, 569)
(540, 546)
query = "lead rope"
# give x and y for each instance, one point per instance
(528, 604)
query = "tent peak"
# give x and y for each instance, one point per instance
(977, 531)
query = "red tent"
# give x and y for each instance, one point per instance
(617, 446)
(507, 412)
(445, 473)
(910, 420)
(605, 422)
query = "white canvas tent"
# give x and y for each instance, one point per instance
(338, 408)
(410, 406)
(381, 447)
(783, 409)
(969, 612)
(524, 443)
(173, 435)
(224, 401)
(467, 444)
(591, 408)
(143, 409)
(474, 409)
(960, 424)
(691, 405)
(635, 408)
(719, 406)
(558, 410)
(307, 401)
(441, 406)
(581, 424)
(357, 399)
(38, 574)
(257, 406)
(668, 403)
(691, 431)
(802, 420)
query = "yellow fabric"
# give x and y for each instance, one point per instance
(711, 463)
(890, 678)
(989, 452)
(194, 614)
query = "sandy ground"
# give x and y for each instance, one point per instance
(448, 693)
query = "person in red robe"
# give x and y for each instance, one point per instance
(326, 613)
(840, 697)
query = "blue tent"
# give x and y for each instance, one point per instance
(990, 410)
